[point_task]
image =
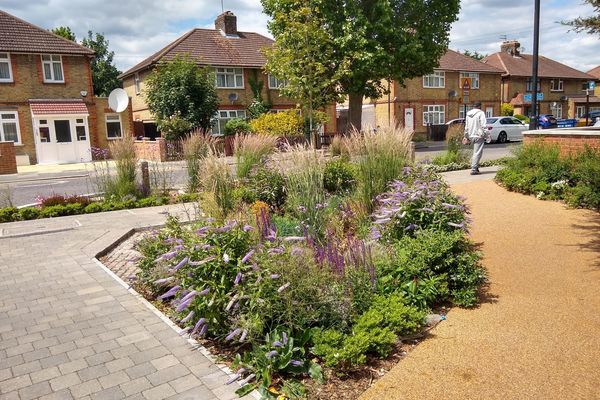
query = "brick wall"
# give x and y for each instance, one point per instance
(98, 122)
(568, 142)
(8, 160)
(151, 150)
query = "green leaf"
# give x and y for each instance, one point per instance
(315, 372)
(244, 390)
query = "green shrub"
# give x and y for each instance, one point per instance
(8, 214)
(52, 211)
(236, 126)
(281, 124)
(93, 208)
(339, 177)
(266, 185)
(28, 213)
(507, 109)
(522, 118)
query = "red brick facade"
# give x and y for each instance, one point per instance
(569, 143)
(8, 159)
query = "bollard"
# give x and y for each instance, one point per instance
(145, 178)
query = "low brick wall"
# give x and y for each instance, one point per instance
(569, 140)
(151, 150)
(8, 158)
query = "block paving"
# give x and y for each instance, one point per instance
(69, 330)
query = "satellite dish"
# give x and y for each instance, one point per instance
(118, 100)
(233, 97)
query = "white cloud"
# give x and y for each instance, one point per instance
(137, 29)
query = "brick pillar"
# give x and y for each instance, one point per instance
(162, 149)
(8, 159)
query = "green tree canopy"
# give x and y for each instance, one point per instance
(366, 41)
(104, 72)
(180, 89)
(474, 54)
(589, 24)
(65, 32)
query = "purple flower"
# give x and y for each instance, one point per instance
(461, 226)
(375, 233)
(203, 330)
(276, 250)
(197, 263)
(271, 354)
(296, 363)
(450, 206)
(302, 209)
(411, 227)
(198, 325)
(172, 292)
(294, 239)
(168, 256)
(277, 343)
(247, 256)
(181, 263)
(185, 330)
(233, 334)
(206, 247)
(202, 231)
(162, 281)
(184, 304)
(178, 247)
(237, 279)
(247, 228)
(248, 379)
(233, 379)
(204, 292)
(283, 287)
(244, 334)
(188, 317)
(190, 295)
(284, 338)
(274, 276)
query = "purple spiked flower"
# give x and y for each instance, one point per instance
(284, 338)
(233, 379)
(296, 363)
(172, 292)
(162, 281)
(233, 334)
(456, 225)
(247, 256)
(184, 304)
(190, 295)
(271, 354)
(274, 276)
(188, 317)
(244, 334)
(247, 228)
(198, 325)
(237, 279)
(181, 263)
(283, 287)
(277, 343)
(203, 330)
(204, 292)
(248, 379)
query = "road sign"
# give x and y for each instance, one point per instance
(465, 84)
(527, 97)
(592, 85)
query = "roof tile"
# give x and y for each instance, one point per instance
(56, 107)
(454, 61)
(20, 36)
(522, 66)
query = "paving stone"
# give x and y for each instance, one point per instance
(101, 358)
(168, 374)
(140, 370)
(26, 368)
(164, 362)
(197, 393)
(16, 383)
(119, 364)
(65, 381)
(34, 391)
(5, 374)
(92, 372)
(135, 386)
(72, 366)
(115, 379)
(45, 374)
(159, 392)
(113, 393)
(54, 360)
(60, 395)
(85, 388)
(185, 383)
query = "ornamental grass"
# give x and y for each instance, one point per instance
(251, 150)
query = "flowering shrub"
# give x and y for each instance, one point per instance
(286, 123)
(423, 203)
(57, 199)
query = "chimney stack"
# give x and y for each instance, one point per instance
(511, 47)
(226, 23)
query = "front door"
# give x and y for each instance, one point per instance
(62, 140)
(409, 118)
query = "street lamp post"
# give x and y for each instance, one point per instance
(536, 43)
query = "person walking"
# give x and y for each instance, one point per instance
(475, 133)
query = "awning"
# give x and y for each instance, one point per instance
(41, 108)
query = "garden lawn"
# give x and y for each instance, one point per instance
(536, 334)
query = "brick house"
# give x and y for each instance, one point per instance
(47, 103)
(237, 60)
(438, 97)
(560, 85)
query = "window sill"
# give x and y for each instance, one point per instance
(434, 87)
(55, 82)
(114, 138)
(6, 81)
(231, 88)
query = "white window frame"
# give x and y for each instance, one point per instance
(136, 84)
(474, 79)
(557, 111)
(561, 85)
(230, 71)
(51, 63)
(276, 83)
(436, 80)
(489, 114)
(433, 112)
(220, 120)
(106, 121)
(5, 58)
(15, 120)
(579, 111)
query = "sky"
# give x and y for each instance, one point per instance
(138, 28)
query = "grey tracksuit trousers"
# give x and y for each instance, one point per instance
(477, 153)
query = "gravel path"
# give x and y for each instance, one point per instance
(536, 334)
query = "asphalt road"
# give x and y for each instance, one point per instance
(83, 182)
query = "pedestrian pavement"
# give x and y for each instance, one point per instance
(69, 330)
(535, 334)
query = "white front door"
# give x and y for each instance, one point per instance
(62, 140)
(409, 118)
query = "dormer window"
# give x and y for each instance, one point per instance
(5, 68)
(53, 69)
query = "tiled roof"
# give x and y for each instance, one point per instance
(521, 66)
(20, 36)
(58, 107)
(454, 61)
(595, 72)
(210, 47)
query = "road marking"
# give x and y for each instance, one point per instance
(43, 184)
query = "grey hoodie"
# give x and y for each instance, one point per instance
(475, 124)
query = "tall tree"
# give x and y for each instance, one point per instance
(302, 58)
(474, 54)
(65, 32)
(182, 96)
(373, 40)
(589, 24)
(104, 71)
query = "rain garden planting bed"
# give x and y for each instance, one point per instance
(311, 278)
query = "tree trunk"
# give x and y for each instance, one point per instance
(354, 111)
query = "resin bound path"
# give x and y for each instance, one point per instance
(68, 330)
(536, 335)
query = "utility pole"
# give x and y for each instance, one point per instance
(536, 43)
(587, 103)
(222, 7)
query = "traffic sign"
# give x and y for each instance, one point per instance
(527, 97)
(465, 84)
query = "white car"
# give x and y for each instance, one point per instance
(503, 129)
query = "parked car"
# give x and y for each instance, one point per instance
(503, 129)
(547, 121)
(457, 121)
(593, 116)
